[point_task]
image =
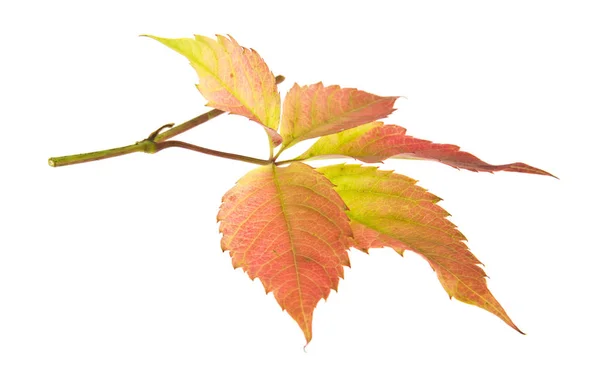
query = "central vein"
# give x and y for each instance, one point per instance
(289, 230)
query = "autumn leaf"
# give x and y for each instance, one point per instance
(232, 78)
(291, 226)
(388, 209)
(288, 227)
(315, 110)
(365, 238)
(376, 142)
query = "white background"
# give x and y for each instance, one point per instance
(112, 271)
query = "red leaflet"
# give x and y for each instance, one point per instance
(314, 110)
(288, 227)
(376, 142)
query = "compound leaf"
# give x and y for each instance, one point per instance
(288, 227)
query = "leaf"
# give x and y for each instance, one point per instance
(365, 238)
(314, 110)
(388, 209)
(232, 78)
(376, 142)
(288, 227)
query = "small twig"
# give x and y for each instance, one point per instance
(145, 146)
(281, 149)
(184, 145)
(151, 147)
(157, 141)
(184, 127)
(284, 162)
(152, 136)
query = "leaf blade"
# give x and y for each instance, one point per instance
(389, 210)
(232, 78)
(315, 110)
(376, 142)
(288, 227)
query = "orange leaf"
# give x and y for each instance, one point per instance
(288, 227)
(315, 110)
(376, 142)
(233, 78)
(388, 209)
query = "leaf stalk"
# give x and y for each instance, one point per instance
(150, 147)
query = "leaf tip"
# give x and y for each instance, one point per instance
(520, 167)
(150, 36)
(308, 337)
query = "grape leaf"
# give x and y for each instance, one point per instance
(315, 110)
(232, 78)
(376, 142)
(288, 227)
(292, 226)
(388, 209)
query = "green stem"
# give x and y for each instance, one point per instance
(285, 162)
(145, 146)
(281, 149)
(157, 142)
(270, 148)
(151, 147)
(184, 127)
